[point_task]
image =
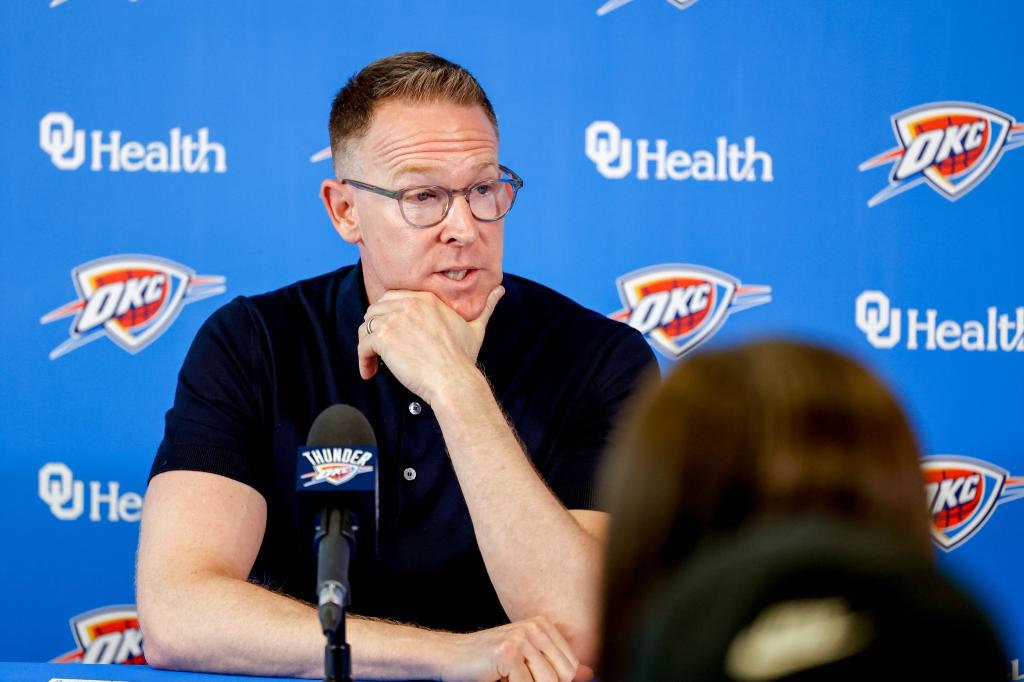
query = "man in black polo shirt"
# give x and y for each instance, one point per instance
(491, 397)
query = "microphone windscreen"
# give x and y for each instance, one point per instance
(340, 425)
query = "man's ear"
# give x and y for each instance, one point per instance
(337, 198)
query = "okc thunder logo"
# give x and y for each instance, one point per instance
(335, 474)
(952, 146)
(131, 299)
(679, 306)
(106, 635)
(962, 493)
(334, 465)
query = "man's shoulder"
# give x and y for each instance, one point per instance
(306, 296)
(297, 309)
(540, 312)
(542, 304)
(309, 290)
(583, 362)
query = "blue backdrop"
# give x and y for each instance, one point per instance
(700, 169)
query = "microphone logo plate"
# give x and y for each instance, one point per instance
(335, 467)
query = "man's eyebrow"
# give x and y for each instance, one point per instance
(412, 169)
(417, 169)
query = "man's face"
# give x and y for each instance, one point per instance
(410, 145)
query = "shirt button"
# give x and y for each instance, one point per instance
(410, 474)
(415, 408)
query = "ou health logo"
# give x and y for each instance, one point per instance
(680, 306)
(952, 146)
(109, 634)
(962, 493)
(131, 299)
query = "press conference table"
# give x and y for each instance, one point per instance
(73, 672)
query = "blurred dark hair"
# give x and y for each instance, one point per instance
(773, 428)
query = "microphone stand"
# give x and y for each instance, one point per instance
(337, 657)
(335, 540)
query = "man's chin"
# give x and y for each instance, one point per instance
(468, 301)
(468, 308)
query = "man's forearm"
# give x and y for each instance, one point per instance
(540, 560)
(221, 624)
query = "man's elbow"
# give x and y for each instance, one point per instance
(579, 633)
(159, 643)
(584, 644)
(578, 622)
(160, 648)
(164, 637)
(158, 656)
(575, 620)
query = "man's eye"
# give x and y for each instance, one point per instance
(422, 196)
(485, 188)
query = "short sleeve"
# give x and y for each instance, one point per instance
(619, 370)
(214, 425)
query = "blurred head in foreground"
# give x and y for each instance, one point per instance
(769, 523)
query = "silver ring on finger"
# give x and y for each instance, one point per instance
(369, 325)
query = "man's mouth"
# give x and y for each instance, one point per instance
(456, 275)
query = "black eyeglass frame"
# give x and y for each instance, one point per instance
(514, 180)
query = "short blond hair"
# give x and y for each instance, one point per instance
(417, 77)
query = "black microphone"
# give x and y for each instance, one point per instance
(337, 472)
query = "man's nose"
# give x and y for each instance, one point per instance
(460, 225)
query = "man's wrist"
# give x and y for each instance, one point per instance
(460, 387)
(441, 653)
(388, 650)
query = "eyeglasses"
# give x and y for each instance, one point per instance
(489, 200)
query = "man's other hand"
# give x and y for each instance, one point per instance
(425, 344)
(526, 651)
